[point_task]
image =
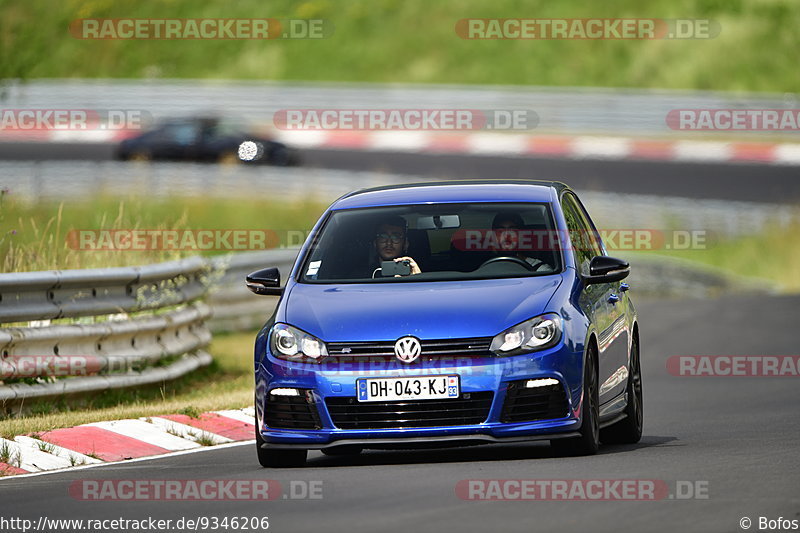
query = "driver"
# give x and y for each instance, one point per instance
(391, 243)
(505, 225)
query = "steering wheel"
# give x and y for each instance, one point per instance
(509, 258)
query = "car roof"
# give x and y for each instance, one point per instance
(465, 191)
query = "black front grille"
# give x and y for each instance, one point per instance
(292, 412)
(470, 408)
(540, 403)
(431, 349)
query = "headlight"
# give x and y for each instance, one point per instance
(292, 344)
(538, 333)
(250, 151)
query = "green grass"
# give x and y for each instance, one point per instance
(190, 411)
(34, 236)
(46, 447)
(202, 438)
(74, 461)
(5, 453)
(415, 41)
(772, 255)
(8, 457)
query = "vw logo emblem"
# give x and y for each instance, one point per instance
(407, 349)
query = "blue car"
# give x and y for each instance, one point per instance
(448, 314)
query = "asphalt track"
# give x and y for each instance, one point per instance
(725, 181)
(737, 436)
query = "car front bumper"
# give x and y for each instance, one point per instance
(496, 375)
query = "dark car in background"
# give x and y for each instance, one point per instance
(205, 139)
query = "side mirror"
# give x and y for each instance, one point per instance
(604, 269)
(265, 282)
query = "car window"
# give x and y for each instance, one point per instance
(224, 129)
(445, 241)
(584, 241)
(595, 239)
(179, 133)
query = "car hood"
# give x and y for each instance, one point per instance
(429, 310)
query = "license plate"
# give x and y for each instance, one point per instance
(419, 388)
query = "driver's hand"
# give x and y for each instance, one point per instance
(413, 264)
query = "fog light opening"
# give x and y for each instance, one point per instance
(284, 392)
(543, 382)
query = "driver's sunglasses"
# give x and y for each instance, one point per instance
(396, 238)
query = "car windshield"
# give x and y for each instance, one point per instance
(228, 128)
(434, 243)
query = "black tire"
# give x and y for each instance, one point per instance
(228, 157)
(279, 458)
(589, 440)
(340, 451)
(629, 429)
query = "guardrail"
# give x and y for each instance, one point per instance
(234, 307)
(77, 293)
(122, 327)
(568, 110)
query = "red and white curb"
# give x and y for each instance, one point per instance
(55, 135)
(486, 143)
(555, 146)
(120, 440)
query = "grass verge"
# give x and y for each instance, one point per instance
(40, 236)
(772, 255)
(414, 41)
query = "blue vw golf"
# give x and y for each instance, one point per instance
(448, 314)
